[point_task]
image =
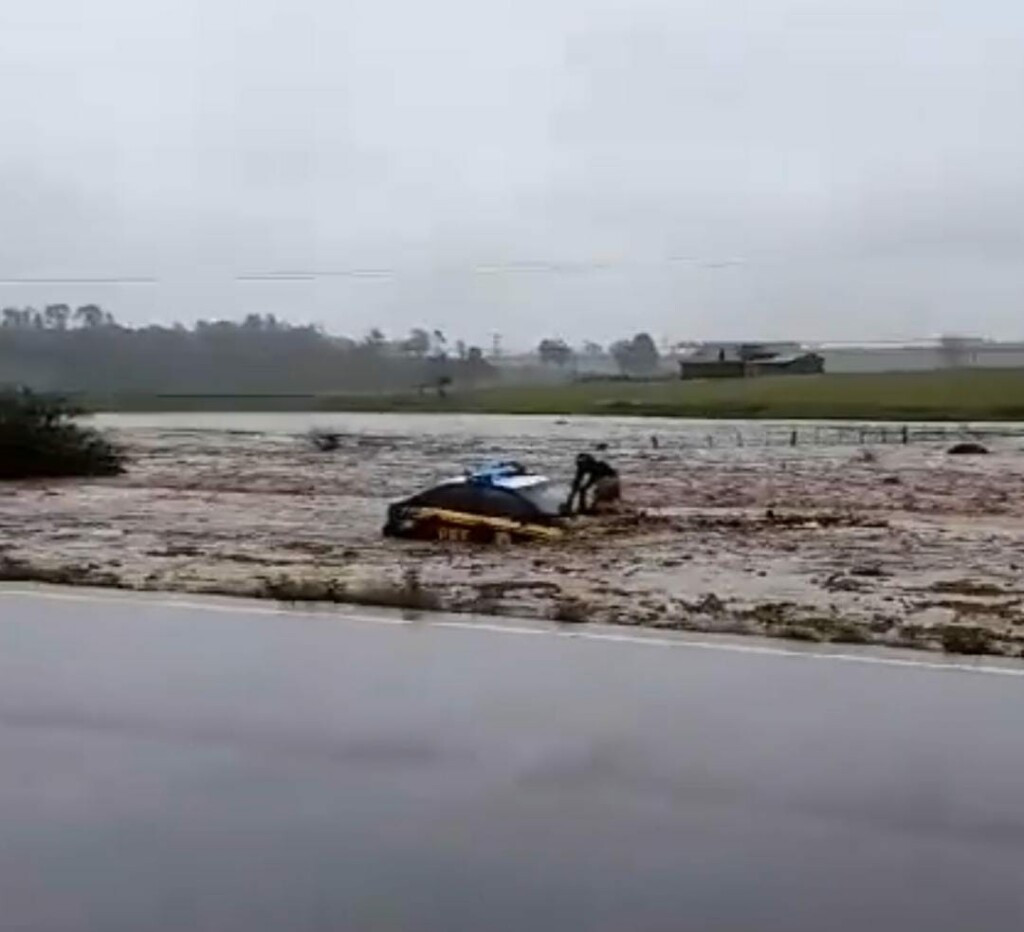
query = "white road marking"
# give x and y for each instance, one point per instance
(583, 634)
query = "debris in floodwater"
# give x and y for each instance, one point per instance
(968, 587)
(784, 521)
(966, 639)
(868, 569)
(967, 448)
(571, 610)
(709, 604)
(325, 441)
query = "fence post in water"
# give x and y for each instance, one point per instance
(792, 439)
(905, 435)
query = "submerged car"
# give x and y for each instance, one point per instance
(500, 504)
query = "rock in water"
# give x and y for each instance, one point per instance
(968, 448)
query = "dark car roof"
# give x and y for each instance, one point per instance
(507, 498)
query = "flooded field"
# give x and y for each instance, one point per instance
(825, 535)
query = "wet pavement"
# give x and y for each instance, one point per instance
(230, 768)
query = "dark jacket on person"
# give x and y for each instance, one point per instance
(589, 471)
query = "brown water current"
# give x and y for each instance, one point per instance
(730, 527)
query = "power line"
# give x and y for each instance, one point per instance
(87, 280)
(522, 267)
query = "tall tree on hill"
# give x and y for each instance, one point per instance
(638, 356)
(375, 340)
(89, 315)
(417, 344)
(554, 352)
(57, 316)
(645, 354)
(440, 344)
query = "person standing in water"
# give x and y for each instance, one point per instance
(598, 478)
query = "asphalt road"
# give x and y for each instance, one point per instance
(219, 767)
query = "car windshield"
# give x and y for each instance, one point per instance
(548, 497)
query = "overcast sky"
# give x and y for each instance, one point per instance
(820, 169)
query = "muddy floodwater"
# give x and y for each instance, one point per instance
(826, 535)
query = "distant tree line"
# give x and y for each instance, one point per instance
(637, 356)
(58, 349)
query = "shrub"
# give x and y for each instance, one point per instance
(40, 438)
(962, 639)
